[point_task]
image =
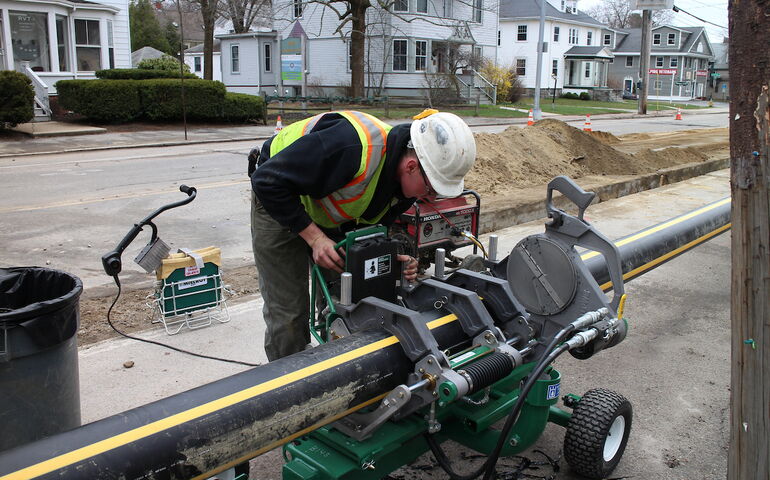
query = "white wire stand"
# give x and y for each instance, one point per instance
(192, 303)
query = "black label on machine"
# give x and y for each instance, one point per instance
(375, 270)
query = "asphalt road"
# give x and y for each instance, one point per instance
(66, 210)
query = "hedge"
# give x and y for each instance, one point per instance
(156, 99)
(240, 107)
(139, 74)
(104, 100)
(16, 99)
(162, 99)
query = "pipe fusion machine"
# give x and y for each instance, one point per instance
(516, 316)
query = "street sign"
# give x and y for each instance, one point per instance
(652, 4)
(662, 71)
(716, 75)
(681, 84)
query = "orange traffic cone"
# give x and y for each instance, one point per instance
(278, 126)
(678, 114)
(530, 118)
(587, 125)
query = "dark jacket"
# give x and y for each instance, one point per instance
(319, 163)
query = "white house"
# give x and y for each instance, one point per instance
(403, 47)
(52, 40)
(193, 57)
(575, 52)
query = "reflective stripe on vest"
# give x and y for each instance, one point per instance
(351, 201)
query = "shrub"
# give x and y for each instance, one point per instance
(240, 107)
(573, 96)
(516, 91)
(16, 99)
(585, 96)
(139, 74)
(163, 63)
(103, 100)
(162, 99)
(502, 77)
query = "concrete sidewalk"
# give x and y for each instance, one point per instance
(170, 137)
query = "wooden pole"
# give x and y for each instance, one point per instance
(644, 61)
(749, 455)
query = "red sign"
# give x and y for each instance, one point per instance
(701, 73)
(663, 71)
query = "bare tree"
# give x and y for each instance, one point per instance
(244, 13)
(618, 14)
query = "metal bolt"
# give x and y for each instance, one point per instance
(430, 361)
(435, 393)
(488, 337)
(421, 370)
(400, 394)
(513, 442)
(368, 465)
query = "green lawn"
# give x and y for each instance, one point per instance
(402, 112)
(568, 106)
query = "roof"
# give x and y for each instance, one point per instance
(595, 52)
(632, 42)
(513, 9)
(145, 53)
(720, 55)
(199, 48)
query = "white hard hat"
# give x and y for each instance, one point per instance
(446, 149)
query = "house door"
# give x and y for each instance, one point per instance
(628, 85)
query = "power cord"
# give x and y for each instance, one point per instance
(160, 344)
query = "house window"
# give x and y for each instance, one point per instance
(555, 67)
(657, 84)
(110, 45)
(477, 6)
(573, 36)
(88, 45)
(350, 54)
(607, 39)
(674, 62)
(498, 38)
(399, 55)
(589, 37)
(672, 38)
(62, 42)
(555, 34)
(521, 67)
(448, 8)
(629, 61)
(197, 64)
(29, 34)
(588, 69)
(298, 8)
(420, 55)
(235, 59)
(268, 57)
(522, 33)
(401, 6)
(563, 5)
(421, 6)
(658, 61)
(656, 39)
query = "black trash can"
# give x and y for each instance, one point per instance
(39, 383)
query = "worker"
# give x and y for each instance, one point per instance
(328, 174)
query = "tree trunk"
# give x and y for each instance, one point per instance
(749, 455)
(208, 47)
(357, 46)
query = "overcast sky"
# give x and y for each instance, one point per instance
(714, 11)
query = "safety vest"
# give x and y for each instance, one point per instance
(351, 201)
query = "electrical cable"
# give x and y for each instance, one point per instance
(677, 9)
(160, 344)
(473, 239)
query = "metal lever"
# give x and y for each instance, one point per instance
(567, 187)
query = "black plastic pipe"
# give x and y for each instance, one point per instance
(200, 432)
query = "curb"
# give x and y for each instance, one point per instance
(496, 218)
(514, 121)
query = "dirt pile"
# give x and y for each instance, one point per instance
(522, 157)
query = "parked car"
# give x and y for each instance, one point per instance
(629, 96)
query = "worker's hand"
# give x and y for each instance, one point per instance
(410, 267)
(326, 256)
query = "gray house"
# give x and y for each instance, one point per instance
(719, 73)
(679, 61)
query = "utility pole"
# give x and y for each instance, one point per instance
(537, 113)
(644, 60)
(749, 455)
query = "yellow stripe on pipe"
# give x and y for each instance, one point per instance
(158, 426)
(649, 265)
(662, 226)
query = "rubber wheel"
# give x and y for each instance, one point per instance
(597, 433)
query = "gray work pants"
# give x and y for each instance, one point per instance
(283, 265)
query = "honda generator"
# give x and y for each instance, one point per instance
(449, 223)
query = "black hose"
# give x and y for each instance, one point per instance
(489, 465)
